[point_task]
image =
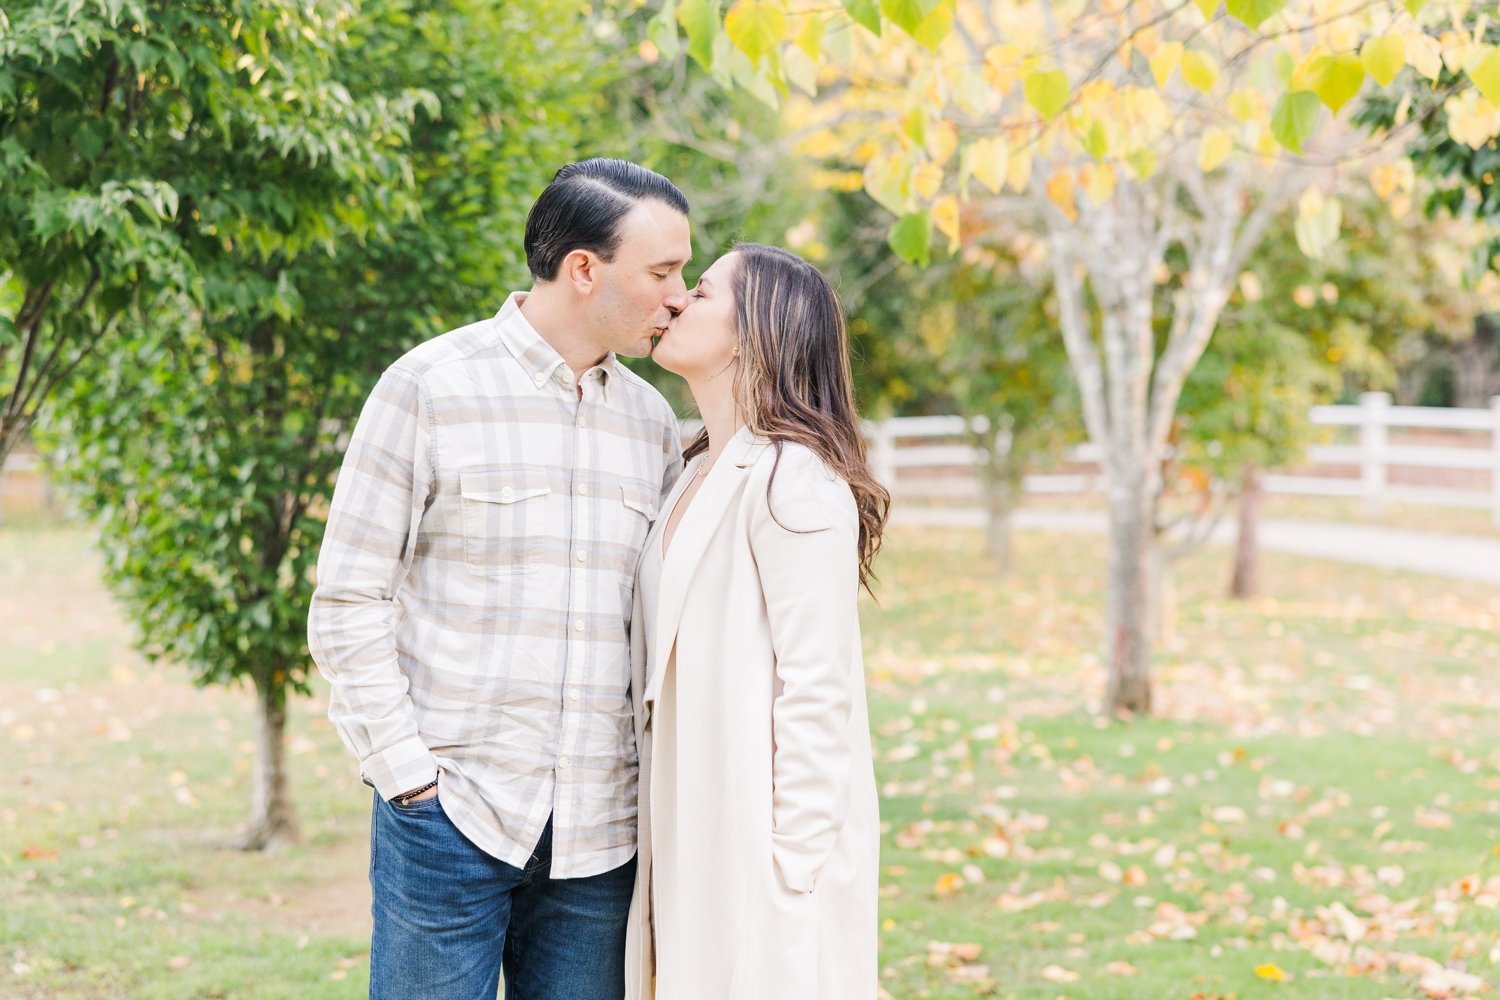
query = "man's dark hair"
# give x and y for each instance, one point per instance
(581, 210)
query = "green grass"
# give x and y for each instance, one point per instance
(1324, 764)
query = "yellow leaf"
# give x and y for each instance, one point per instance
(1270, 971)
(1457, 48)
(1243, 105)
(1485, 72)
(1383, 58)
(1098, 181)
(810, 38)
(1165, 61)
(942, 140)
(1214, 150)
(755, 27)
(1206, 7)
(1047, 92)
(1424, 54)
(988, 161)
(1472, 120)
(1338, 80)
(1018, 171)
(948, 885)
(886, 179)
(1387, 179)
(1060, 191)
(1003, 65)
(1142, 162)
(945, 219)
(1199, 70)
(926, 180)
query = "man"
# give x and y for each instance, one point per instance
(474, 599)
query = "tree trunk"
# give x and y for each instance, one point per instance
(1246, 580)
(1128, 614)
(273, 822)
(1163, 595)
(1002, 486)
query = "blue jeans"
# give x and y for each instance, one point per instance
(448, 916)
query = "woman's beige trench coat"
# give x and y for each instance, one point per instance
(770, 892)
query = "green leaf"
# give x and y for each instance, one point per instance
(1253, 12)
(911, 237)
(865, 13)
(1096, 141)
(1486, 76)
(1337, 79)
(1207, 8)
(936, 26)
(1383, 58)
(755, 27)
(1413, 6)
(1295, 118)
(904, 14)
(1047, 92)
(810, 38)
(662, 30)
(700, 19)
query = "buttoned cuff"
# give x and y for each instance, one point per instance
(400, 768)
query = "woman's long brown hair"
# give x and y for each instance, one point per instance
(794, 382)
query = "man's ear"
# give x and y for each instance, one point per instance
(580, 268)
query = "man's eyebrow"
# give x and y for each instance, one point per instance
(672, 263)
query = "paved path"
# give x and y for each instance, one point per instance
(1462, 557)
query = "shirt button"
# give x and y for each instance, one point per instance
(583, 491)
(567, 378)
(539, 377)
(578, 626)
(507, 492)
(565, 762)
(572, 694)
(582, 422)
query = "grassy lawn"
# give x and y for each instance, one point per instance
(1314, 811)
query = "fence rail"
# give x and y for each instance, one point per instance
(1439, 457)
(1392, 454)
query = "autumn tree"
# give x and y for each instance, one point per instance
(1125, 132)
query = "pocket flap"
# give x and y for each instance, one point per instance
(641, 499)
(503, 485)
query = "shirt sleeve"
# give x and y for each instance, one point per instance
(383, 489)
(805, 544)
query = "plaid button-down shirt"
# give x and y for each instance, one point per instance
(473, 604)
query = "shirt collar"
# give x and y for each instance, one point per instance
(539, 359)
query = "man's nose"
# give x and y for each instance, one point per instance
(677, 301)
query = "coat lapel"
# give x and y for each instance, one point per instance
(715, 498)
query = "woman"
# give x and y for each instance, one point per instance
(759, 826)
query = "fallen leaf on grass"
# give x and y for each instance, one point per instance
(1057, 974)
(948, 885)
(179, 962)
(1271, 972)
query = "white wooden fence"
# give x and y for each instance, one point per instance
(1375, 452)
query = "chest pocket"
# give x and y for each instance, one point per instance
(639, 503)
(506, 514)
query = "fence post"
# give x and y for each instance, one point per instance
(883, 454)
(1495, 459)
(1374, 415)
